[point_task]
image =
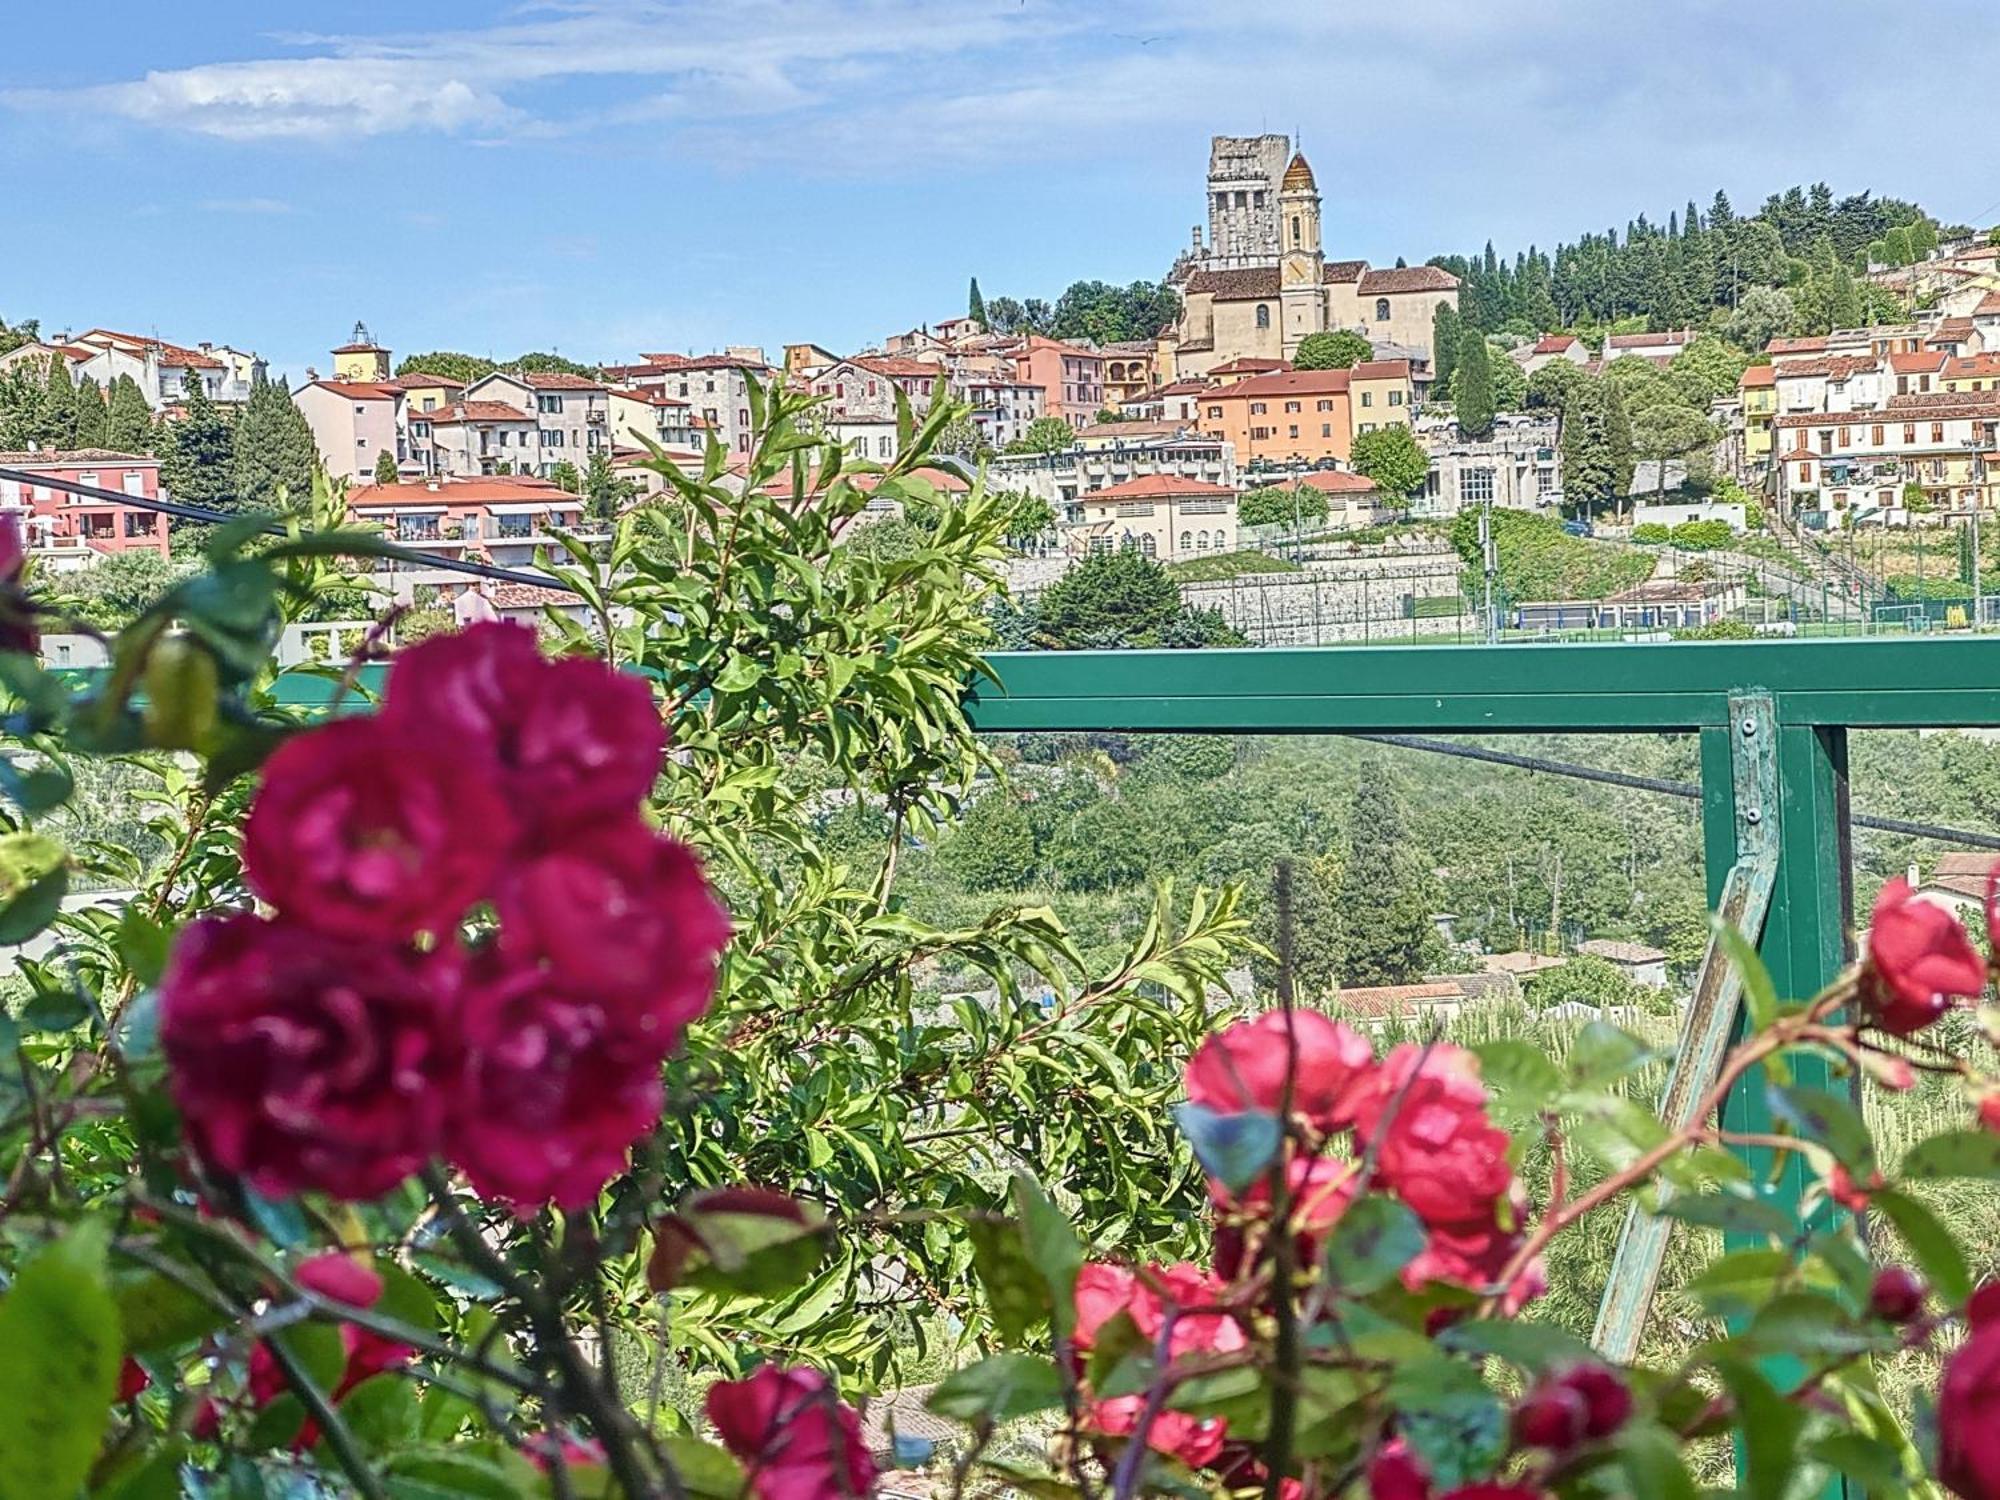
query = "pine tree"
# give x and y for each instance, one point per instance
(604, 493)
(975, 305)
(1387, 934)
(128, 421)
(1472, 385)
(1587, 463)
(195, 465)
(1618, 442)
(91, 416)
(272, 456)
(1445, 329)
(385, 467)
(57, 419)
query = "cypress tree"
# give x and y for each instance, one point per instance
(273, 448)
(128, 421)
(385, 467)
(195, 461)
(56, 426)
(975, 305)
(91, 416)
(1387, 936)
(1445, 329)
(1618, 442)
(1472, 385)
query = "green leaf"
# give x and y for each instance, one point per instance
(1000, 1388)
(1522, 1074)
(1017, 1294)
(1742, 1280)
(317, 1347)
(1603, 1054)
(707, 1470)
(457, 1473)
(1532, 1346)
(1121, 1357)
(1052, 1246)
(1240, 1396)
(1971, 1154)
(156, 1476)
(1875, 1466)
(34, 877)
(743, 1240)
(1806, 1323)
(1735, 1212)
(1457, 1427)
(1826, 1119)
(1652, 1459)
(1768, 1429)
(277, 1424)
(1234, 1149)
(1760, 996)
(142, 946)
(1376, 1237)
(1931, 1244)
(38, 790)
(381, 1412)
(739, 675)
(156, 1312)
(59, 1357)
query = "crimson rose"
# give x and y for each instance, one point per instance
(796, 1439)
(1437, 1149)
(367, 833)
(1919, 960)
(299, 1061)
(1242, 1067)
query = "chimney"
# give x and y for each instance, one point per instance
(205, 346)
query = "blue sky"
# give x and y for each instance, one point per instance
(602, 176)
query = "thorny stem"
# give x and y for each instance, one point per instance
(1125, 1478)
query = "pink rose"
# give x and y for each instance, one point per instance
(340, 1278)
(367, 1353)
(1102, 1292)
(1968, 1416)
(1438, 1150)
(554, 1087)
(571, 740)
(1195, 1441)
(302, 1062)
(620, 909)
(794, 1437)
(366, 833)
(1200, 1326)
(1919, 960)
(1320, 1188)
(1395, 1473)
(1242, 1067)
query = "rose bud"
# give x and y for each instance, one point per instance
(1606, 1399)
(1551, 1416)
(1897, 1295)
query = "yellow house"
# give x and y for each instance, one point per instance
(361, 359)
(424, 392)
(1379, 394)
(1973, 372)
(1759, 388)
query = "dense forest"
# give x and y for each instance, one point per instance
(1804, 246)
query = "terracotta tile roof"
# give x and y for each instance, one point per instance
(1521, 962)
(1620, 952)
(556, 380)
(676, 362)
(1555, 343)
(1298, 176)
(1181, 388)
(895, 365)
(1377, 1001)
(1246, 364)
(475, 411)
(647, 396)
(1165, 428)
(1284, 383)
(1152, 486)
(422, 380)
(1971, 365)
(1647, 340)
(1918, 364)
(492, 490)
(1235, 286)
(360, 390)
(1380, 369)
(1407, 279)
(1758, 375)
(1952, 331)
(1829, 366)
(525, 595)
(63, 458)
(1988, 305)
(169, 354)
(1334, 482)
(1340, 271)
(1814, 345)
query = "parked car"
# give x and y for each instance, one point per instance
(1578, 528)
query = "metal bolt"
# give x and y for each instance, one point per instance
(1753, 817)
(1749, 727)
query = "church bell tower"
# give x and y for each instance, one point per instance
(1301, 264)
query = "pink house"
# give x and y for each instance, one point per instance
(1073, 378)
(353, 423)
(67, 530)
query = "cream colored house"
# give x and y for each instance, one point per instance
(1165, 516)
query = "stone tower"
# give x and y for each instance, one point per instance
(1244, 177)
(1301, 265)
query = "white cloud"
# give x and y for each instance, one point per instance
(267, 207)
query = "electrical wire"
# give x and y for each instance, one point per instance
(1661, 785)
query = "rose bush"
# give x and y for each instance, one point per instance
(430, 1125)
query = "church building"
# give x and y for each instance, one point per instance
(1263, 283)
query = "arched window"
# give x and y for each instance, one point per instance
(1187, 541)
(1381, 309)
(1201, 541)
(1264, 314)
(1147, 545)
(1295, 229)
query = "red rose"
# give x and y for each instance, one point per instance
(1849, 1194)
(132, 1379)
(795, 1438)
(1394, 1473)
(1983, 1306)
(1103, 1291)
(1195, 1441)
(1474, 1257)
(1919, 960)
(341, 1278)
(620, 909)
(1989, 1110)
(1607, 1400)
(366, 833)
(1242, 1067)
(367, 1353)
(299, 1061)
(1437, 1149)
(572, 740)
(1968, 1416)
(553, 1089)
(1321, 1187)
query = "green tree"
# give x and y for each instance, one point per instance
(1472, 385)
(1339, 350)
(1446, 330)
(961, 438)
(58, 407)
(1394, 459)
(385, 467)
(1588, 980)
(993, 846)
(566, 477)
(1282, 505)
(1044, 435)
(1120, 597)
(1098, 310)
(13, 336)
(462, 368)
(1663, 431)
(1764, 313)
(128, 423)
(92, 418)
(272, 451)
(1031, 516)
(197, 467)
(1706, 370)
(1510, 381)
(1387, 935)
(1553, 386)
(542, 362)
(975, 305)
(605, 495)
(1589, 462)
